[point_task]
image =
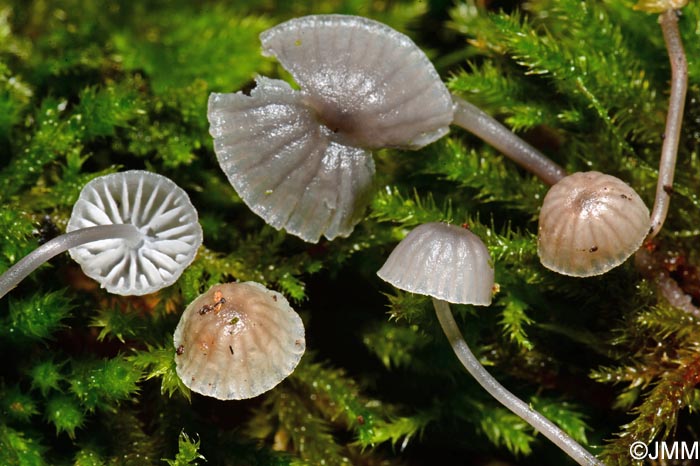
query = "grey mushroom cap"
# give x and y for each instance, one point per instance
(366, 81)
(301, 159)
(589, 223)
(163, 214)
(237, 341)
(283, 164)
(443, 261)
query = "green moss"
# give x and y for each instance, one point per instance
(16, 405)
(65, 413)
(37, 317)
(188, 452)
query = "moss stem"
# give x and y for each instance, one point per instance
(484, 126)
(505, 397)
(18, 272)
(674, 119)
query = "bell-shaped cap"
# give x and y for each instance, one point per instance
(443, 261)
(163, 214)
(590, 223)
(300, 159)
(237, 340)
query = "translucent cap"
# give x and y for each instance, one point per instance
(237, 340)
(163, 214)
(590, 223)
(443, 261)
(300, 159)
(365, 80)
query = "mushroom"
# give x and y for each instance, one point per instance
(452, 265)
(237, 341)
(301, 159)
(590, 223)
(134, 232)
(443, 261)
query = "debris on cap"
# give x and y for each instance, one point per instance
(237, 341)
(590, 222)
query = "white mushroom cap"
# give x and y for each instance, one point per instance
(163, 213)
(300, 159)
(590, 223)
(237, 340)
(443, 261)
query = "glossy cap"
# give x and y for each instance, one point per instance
(162, 212)
(284, 164)
(590, 223)
(443, 261)
(365, 80)
(237, 340)
(301, 159)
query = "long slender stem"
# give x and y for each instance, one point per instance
(674, 119)
(46, 251)
(500, 393)
(484, 126)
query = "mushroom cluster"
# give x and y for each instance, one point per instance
(301, 160)
(452, 265)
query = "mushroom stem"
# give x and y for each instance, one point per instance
(506, 398)
(52, 248)
(486, 127)
(674, 119)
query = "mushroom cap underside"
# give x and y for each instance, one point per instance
(163, 214)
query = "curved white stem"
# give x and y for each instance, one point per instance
(486, 127)
(674, 119)
(506, 398)
(46, 251)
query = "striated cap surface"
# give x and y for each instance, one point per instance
(284, 165)
(237, 340)
(301, 159)
(366, 80)
(162, 212)
(443, 261)
(590, 222)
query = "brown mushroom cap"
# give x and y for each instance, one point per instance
(590, 223)
(238, 340)
(443, 261)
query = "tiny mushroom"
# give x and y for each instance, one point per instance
(590, 222)
(134, 232)
(452, 265)
(237, 341)
(444, 261)
(301, 159)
